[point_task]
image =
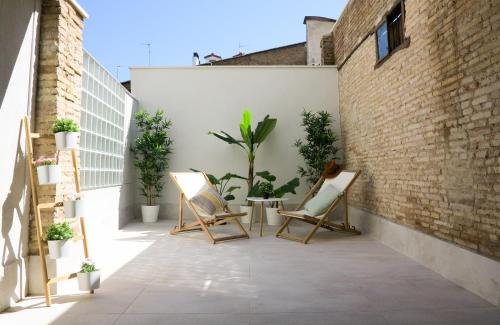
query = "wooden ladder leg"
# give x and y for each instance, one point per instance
(43, 262)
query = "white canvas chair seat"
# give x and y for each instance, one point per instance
(189, 184)
(342, 182)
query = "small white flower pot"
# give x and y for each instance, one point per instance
(80, 208)
(66, 140)
(150, 213)
(48, 175)
(248, 210)
(88, 281)
(69, 208)
(74, 208)
(59, 248)
(272, 216)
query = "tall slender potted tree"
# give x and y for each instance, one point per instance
(250, 142)
(319, 146)
(151, 150)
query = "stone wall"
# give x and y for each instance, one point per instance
(294, 54)
(58, 95)
(424, 126)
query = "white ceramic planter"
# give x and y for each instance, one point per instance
(272, 216)
(248, 210)
(150, 213)
(66, 140)
(59, 248)
(80, 208)
(88, 281)
(69, 208)
(74, 208)
(49, 174)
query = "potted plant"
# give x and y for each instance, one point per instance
(89, 277)
(319, 146)
(151, 150)
(266, 189)
(250, 142)
(74, 205)
(48, 171)
(57, 237)
(66, 133)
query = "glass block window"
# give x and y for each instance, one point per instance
(102, 127)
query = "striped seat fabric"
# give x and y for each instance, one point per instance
(208, 200)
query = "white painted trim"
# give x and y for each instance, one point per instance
(469, 270)
(190, 67)
(79, 9)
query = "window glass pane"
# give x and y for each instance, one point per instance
(382, 41)
(101, 135)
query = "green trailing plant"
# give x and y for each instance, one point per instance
(65, 125)
(319, 146)
(59, 231)
(222, 184)
(88, 266)
(250, 140)
(277, 192)
(151, 152)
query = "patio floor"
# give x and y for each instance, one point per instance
(150, 277)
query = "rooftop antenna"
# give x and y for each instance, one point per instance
(149, 52)
(117, 68)
(240, 46)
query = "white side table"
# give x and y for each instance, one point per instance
(261, 200)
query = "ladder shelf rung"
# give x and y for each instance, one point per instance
(62, 278)
(49, 205)
(35, 135)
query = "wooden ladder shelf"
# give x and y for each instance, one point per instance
(41, 206)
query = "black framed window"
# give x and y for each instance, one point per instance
(390, 32)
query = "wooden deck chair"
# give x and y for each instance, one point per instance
(189, 184)
(342, 182)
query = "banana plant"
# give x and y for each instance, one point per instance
(250, 140)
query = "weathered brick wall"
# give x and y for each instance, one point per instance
(58, 95)
(327, 50)
(424, 127)
(294, 54)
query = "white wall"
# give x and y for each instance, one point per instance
(316, 29)
(18, 39)
(199, 99)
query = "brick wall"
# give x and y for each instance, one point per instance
(424, 127)
(327, 50)
(294, 54)
(58, 95)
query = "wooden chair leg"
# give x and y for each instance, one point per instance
(251, 215)
(242, 229)
(283, 226)
(313, 231)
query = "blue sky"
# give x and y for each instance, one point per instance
(116, 30)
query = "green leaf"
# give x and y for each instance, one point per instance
(266, 175)
(226, 137)
(287, 188)
(264, 128)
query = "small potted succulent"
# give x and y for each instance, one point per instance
(49, 172)
(74, 205)
(89, 277)
(266, 189)
(57, 237)
(66, 133)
